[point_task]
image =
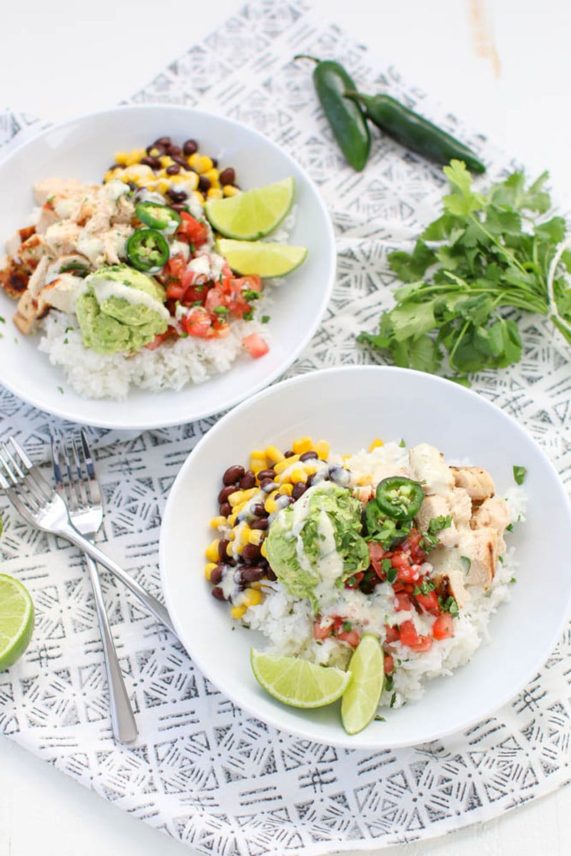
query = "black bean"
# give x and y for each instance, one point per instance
(180, 161)
(227, 176)
(190, 147)
(308, 456)
(162, 142)
(216, 575)
(217, 593)
(233, 474)
(266, 474)
(298, 490)
(174, 150)
(225, 509)
(222, 554)
(154, 163)
(270, 575)
(132, 185)
(177, 195)
(203, 183)
(259, 524)
(214, 161)
(251, 552)
(225, 493)
(173, 169)
(251, 574)
(289, 454)
(260, 511)
(248, 480)
(116, 166)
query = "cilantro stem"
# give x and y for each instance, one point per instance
(503, 250)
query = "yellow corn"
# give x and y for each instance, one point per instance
(241, 496)
(154, 153)
(232, 518)
(244, 535)
(255, 536)
(264, 550)
(286, 489)
(208, 570)
(376, 444)
(257, 457)
(298, 474)
(302, 445)
(163, 185)
(214, 193)
(285, 464)
(270, 504)
(274, 455)
(198, 196)
(252, 597)
(230, 190)
(310, 468)
(364, 480)
(211, 551)
(322, 448)
(191, 179)
(230, 547)
(200, 163)
(121, 158)
(212, 176)
(135, 156)
(237, 612)
(215, 522)
(165, 161)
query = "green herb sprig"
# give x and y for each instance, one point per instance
(484, 257)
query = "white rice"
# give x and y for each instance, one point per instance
(287, 622)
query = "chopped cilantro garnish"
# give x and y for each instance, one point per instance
(249, 294)
(347, 627)
(221, 310)
(450, 605)
(247, 316)
(264, 319)
(519, 474)
(402, 444)
(425, 587)
(467, 562)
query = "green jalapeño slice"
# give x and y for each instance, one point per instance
(147, 250)
(158, 216)
(399, 498)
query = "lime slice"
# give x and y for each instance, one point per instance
(253, 213)
(361, 699)
(297, 682)
(258, 257)
(16, 620)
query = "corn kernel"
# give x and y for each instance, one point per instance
(286, 489)
(212, 176)
(375, 444)
(270, 504)
(238, 611)
(364, 480)
(198, 196)
(230, 549)
(302, 445)
(257, 456)
(190, 179)
(121, 158)
(230, 190)
(215, 522)
(244, 535)
(255, 536)
(154, 153)
(241, 496)
(274, 455)
(264, 550)
(211, 551)
(298, 474)
(252, 597)
(136, 155)
(232, 518)
(208, 568)
(165, 161)
(323, 448)
(200, 163)
(285, 464)
(214, 193)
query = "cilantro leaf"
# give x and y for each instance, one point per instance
(519, 474)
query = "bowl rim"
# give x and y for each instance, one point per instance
(358, 741)
(66, 412)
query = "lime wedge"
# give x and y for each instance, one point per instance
(16, 620)
(253, 213)
(297, 682)
(361, 699)
(258, 257)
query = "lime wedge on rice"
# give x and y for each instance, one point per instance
(253, 213)
(362, 696)
(16, 620)
(261, 258)
(297, 682)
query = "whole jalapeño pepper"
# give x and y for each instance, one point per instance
(345, 116)
(414, 131)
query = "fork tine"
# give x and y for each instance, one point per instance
(80, 481)
(29, 469)
(7, 466)
(94, 489)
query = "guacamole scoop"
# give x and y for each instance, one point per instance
(120, 310)
(314, 545)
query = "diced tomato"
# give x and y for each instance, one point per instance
(175, 267)
(160, 338)
(376, 553)
(198, 323)
(175, 290)
(406, 573)
(428, 602)
(392, 634)
(412, 542)
(402, 602)
(353, 582)
(215, 298)
(443, 627)
(424, 644)
(408, 634)
(389, 664)
(255, 345)
(192, 230)
(351, 637)
(322, 631)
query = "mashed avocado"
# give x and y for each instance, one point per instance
(120, 310)
(316, 544)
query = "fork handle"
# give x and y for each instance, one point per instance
(150, 602)
(122, 716)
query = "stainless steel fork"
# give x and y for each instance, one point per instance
(40, 505)
(76, 482)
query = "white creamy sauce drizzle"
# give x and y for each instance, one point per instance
(329, 564)
(104, 289)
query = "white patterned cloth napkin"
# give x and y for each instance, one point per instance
(205, 772)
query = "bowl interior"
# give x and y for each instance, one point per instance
(83, 149)
(349, 407)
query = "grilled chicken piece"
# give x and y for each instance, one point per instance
(494, 512)
(476, 481)
(64, 187)
(480, 546)
(437, 506)
(460, 506)
(428, 467)
(451, 584)
(14, 278)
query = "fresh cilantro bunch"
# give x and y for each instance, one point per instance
(485, 256)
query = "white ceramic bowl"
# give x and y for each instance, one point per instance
(348, 407)
(84, 148)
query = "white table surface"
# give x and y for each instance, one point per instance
(62, 58)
